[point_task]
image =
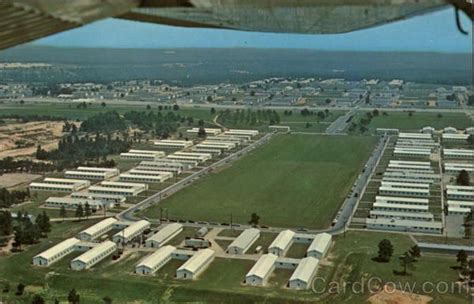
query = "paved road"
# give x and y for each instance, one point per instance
(128, 215)
(219, 106)
(340, 124)
(350, 204)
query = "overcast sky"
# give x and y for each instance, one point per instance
(433, 32)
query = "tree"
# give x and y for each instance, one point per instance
(201, 132)
(439, 115)
(79, 211)
(6, 226)
(87, 210)
(6, 287)
(410, 114)
(73, 297)
(470, 139)
(103, 104)
(463, 178)
(62, 212)
(385, 250)
(407, 262)
(175, 107)
(37, 299)
(415, 251)
(213, 111)
(107, 300)
(20, 289)
(461, 258)
(19, 236)
(201, 122)
(254, 219)
(42, 221)
(148, 107)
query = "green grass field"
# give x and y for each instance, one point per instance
(402, 121)
(287, 182)
(351, 259)
(70, 111)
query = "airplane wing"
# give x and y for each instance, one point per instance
(26, 20)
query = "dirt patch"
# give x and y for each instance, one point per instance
(22, 139)
(392, 296)
(10, 180)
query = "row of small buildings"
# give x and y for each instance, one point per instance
(403, 199)
(196, 262)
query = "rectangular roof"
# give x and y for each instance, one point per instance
(94, 252)
(283, 239)
(165, 232)
(426, 215)
(64, 245)
(460, 188)
(97, 169)
(157, 257)
(405, 185)
(122, 184)
(111, 189)
(405, 223)
(401, 206)
(380, 198)
(384, 188)
(305, 270)
(411, 162)
(320, 242)
(243, 240)
(85, 173)
(415, 135)
(133, 228)
(99, 226)
(263, 266)
(463, 203)
(45, 185)
(68, 181)
(463, 165)
(146, 152)
(197, 260)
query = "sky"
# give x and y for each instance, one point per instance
(435, 32)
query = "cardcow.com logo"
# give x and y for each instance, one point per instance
(375, 284)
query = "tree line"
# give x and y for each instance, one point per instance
(73, 150)
(9, 198)
(249, 117)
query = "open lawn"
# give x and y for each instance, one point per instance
(287, 182)
(402, 121)
(351, 261)
(70, 110)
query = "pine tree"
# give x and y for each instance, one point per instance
(73, 297)
(62, 212)
(87, 210)
(79, 211)
(385, 250)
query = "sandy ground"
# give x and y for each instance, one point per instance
(391, 296)
(31, 134)
(10, 180)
